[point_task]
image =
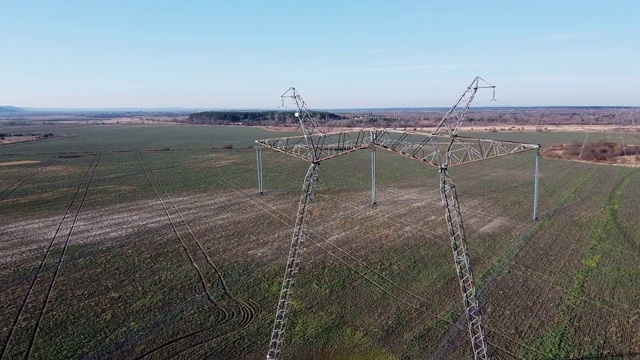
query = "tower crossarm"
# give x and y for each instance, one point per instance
(415, 145)
(316, 148)
(293, 261)
(445, 150)
(464, 150)
(296, 146)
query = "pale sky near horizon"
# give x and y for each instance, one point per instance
(338, 54)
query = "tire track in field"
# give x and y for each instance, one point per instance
(8, 191)
(188, 241)
(181, 354)
(217, 292)
(43, 275)
(186, 352)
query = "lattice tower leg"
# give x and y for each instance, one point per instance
(536, 185)
(259, 158)
(463, 265)
(373, 175)
(293, 261)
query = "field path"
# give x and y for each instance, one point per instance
(30, 312)
(8, 191)
(200, 260)
(234, 314)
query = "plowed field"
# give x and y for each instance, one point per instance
(119, 247)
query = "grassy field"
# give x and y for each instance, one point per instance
(151, 242)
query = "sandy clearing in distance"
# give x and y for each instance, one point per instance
(492, 128)
(20, 162)
(18, 139)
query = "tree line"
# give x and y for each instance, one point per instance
(409, 118)
(264, 118)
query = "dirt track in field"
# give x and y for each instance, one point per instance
(21, 162)
(44, 279)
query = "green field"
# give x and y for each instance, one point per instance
(152, 242)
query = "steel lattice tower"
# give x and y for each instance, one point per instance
(443, 148)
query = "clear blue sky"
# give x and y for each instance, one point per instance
(338, 54)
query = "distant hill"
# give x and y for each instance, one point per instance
(10, 109)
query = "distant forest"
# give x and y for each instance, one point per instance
(264, 118)
(408, 118)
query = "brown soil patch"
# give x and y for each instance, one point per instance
(597, 151)
(496, 128)
(551, 128)
(18, 139)
(21, 162)
(144, 120)
(139, 120)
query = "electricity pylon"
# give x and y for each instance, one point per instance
(443, 148)
(308, 124)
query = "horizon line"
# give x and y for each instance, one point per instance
(201, 109)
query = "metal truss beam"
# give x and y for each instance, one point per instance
(464, 150)
(436, 150)
(429, 148)
(293, 261)
(316, 148)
